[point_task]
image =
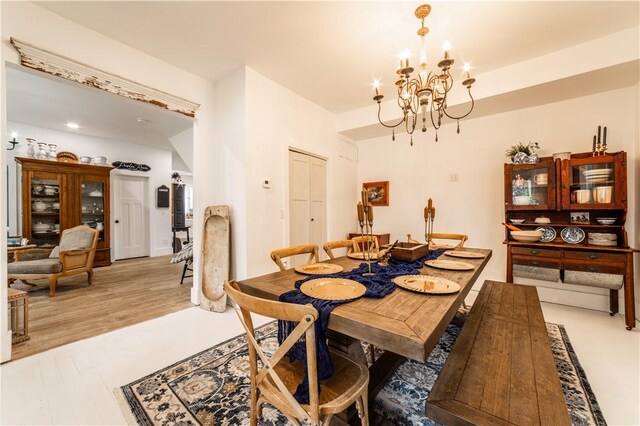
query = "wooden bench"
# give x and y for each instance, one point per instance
(501, 369)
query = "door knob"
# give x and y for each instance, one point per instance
(311, 219)
(117, 221)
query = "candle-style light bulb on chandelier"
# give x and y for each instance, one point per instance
(415, 93)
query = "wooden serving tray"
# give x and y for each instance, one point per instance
(409, 252)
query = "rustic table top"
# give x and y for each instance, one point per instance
(404, 322)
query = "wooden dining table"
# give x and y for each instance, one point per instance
(404, 324)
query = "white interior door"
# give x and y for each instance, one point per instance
(307, 201)
(131, 217)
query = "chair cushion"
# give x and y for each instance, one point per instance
(185, 254)
(74, 239)
(42, 266)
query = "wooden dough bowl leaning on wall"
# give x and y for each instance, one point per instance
(73, 256)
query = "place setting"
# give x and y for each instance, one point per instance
(450, 265)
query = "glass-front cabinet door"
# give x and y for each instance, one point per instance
(92, 205)
(533, 186)
(42, 200)
(593, 183)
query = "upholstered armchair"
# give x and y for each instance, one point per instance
(73, 256)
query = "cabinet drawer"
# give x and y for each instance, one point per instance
(102, 257)
(595, 255)
(532, 251)
(542, 263)
(577, 265)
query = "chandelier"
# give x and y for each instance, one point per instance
(414, 93)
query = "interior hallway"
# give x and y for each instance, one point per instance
(125, 293)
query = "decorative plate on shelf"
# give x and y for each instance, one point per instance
(319, 269)
(427, 284)
(548, 234)
(452, 265)
(572, 235)
(464, 254)
(333, 289)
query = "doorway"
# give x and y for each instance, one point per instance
(307, 200)
(131, 216)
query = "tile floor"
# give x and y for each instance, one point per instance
(73, 384)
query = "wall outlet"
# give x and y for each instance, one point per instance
(266, 183)
(453, 177)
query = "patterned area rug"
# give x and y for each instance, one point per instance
(212, 387)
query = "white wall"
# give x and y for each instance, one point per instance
(230, 122)
(183, 146)
(474, 204)
(283, 119)
(158, 159)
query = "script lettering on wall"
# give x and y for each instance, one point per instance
(61, 66)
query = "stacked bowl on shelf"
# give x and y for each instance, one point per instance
(597, 175)
(603, 239)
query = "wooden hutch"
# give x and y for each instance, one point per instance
(58, 195)
(556, 188)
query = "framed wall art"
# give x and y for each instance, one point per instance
(377, 192)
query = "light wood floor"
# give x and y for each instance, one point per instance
(125, 293)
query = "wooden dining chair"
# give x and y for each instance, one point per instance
(277, 378)
(461, 238)
(278, 255)
(362, 241)
(330, 245)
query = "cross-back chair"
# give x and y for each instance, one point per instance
(279, 254)
(275, 382)
(362, 242)
(329, 246)
(461, 238)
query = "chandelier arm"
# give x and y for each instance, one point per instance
(468, 112)
(392, 126)
(413, 124)
(432, 120)
(412, 88)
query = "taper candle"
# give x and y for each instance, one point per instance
(365, 199)
(426, 213)
(360, 212)
(604, 137)
(594, 143)
(433, 213)
(369, 211)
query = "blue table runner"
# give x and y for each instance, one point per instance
(378, 286)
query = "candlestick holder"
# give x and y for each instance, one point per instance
(368, 232)
(429, 217)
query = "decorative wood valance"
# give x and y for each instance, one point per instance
(61, 66)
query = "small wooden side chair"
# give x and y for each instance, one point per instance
(360, 242)
(461, 238)
(330, 245)
(278, 255)
(276, 381)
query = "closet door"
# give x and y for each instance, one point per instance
(307, 201)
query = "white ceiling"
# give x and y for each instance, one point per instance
(329, 52)
(50, 102)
